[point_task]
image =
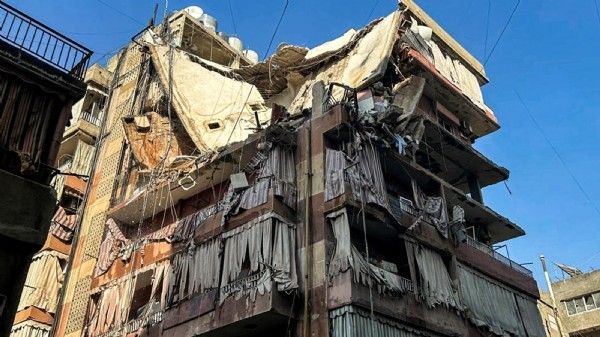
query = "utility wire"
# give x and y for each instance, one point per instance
(587, 197)
(501, 34)
(597, 10)
(371, 12)
(121, 12)
(487, 29)
(232, 17)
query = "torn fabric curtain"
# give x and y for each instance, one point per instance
(434, 209)
(269, 242)
(186, 226)
(366, 177)
(193, 271)
(112, 309)
(346, 257)
(352, 321)
(280, 167)
(253, 196)
(113, 243)
(335, 166)
(63, 225)
(435, 284)
(43, 283)
(497, 308)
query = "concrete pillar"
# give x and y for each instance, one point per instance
(475, 188)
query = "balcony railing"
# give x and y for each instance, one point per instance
(243, 284)
(493, 253)
(399, 205)
(154, 318)
(88, 117)
(26, 33)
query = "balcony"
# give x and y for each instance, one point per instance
(136, 324)
(41, 41)
(493, 253)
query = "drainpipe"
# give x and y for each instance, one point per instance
(549, 284)
(307, 223)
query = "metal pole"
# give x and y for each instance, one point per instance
(549, 284)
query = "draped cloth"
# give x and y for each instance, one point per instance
(335, 165)
(113, 243)
(30, 329)
(192, 272)
(269, 242)
(495, 307)
(435, 284)
(366, 177)
(434, 209)
(280, 167)
(63, 225)
(346, 257)
(186, 226)
(112, 309)
(43, 283)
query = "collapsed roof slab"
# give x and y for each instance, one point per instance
(217, 110)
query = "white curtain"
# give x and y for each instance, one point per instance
(30, 329)
(335, 165)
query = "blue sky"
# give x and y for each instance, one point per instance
(547, 55)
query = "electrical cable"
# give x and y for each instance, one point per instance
(502, 33)
(121, 12)
(232, 17)
(564, 164)
(371, 12)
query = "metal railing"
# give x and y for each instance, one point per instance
(26, 33)
(88, 117)
(493, 253)
(245, 283)
(151, 319)
(399, 205)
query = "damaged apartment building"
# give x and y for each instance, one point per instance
(331, 191)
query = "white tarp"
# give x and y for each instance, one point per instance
(207, 102)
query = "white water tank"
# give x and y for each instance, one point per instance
(223, 36)
(209, 22)
(195, 12)
(236, 43)
(251, 55)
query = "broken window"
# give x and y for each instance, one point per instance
(141, 295)
(582, 304)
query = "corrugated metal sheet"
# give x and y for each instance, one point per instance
(351, 321)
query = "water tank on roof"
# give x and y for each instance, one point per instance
(195, 12)
(236, 43)
(223, 36)
(251, 55)
(209, 22)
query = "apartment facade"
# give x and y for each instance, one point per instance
(577, 301)
(41, 76)
(42, 289)
(325, 191)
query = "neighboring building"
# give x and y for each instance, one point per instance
(578, 301)
(44, 280)
(319, 192)
(41, 75)
(549, 317)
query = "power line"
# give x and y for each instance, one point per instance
(371, 12)
(99, 33)
(232, 17)
(121, 12)
(597, 10)
(487, 29)
(587, 197)
(502, 33)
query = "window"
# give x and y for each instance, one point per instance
(214, 125)
(582, 304)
